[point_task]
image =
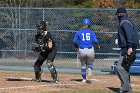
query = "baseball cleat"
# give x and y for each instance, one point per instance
(84, 81)
(56, 81)
(37, 80)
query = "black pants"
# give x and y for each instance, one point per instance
(49, 55)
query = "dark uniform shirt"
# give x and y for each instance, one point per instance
(127, 34)
(44, 39)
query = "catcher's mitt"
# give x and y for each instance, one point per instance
(37, 48)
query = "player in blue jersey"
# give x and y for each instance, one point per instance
(84, 41)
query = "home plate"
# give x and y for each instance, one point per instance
(97, 80)
(24, 79)
(19, 79)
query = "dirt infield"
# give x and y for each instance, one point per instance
(67, 82)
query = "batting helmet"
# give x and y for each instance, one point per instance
(86, 21)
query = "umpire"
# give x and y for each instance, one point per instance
(127, 41)
(46, 46)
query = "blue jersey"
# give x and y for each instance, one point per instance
(85, 38)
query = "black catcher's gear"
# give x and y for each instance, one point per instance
(53, 71)
(37, 74)
(43, 42)
(40, 44)
(36, 47)
(42, 26)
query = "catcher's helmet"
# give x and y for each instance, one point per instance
(86, 21)
(42, 25)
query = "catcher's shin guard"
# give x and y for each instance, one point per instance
(55, 77)
(53, 71)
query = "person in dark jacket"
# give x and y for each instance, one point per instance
(128, 42)
(46, 46)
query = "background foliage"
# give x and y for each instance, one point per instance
(71, 3)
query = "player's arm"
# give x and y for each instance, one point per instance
(95, 40)
(36, 38)
(36, 46)
(50, 44)
(49, 41)
(130, 35)
(75, 41)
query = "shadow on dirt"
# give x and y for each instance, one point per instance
(114, 89)
(24, 79)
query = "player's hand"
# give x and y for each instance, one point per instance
(50, 44)
(98, 46)
(77, 49)
(129, 51)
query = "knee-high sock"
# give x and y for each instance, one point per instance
(83, 72)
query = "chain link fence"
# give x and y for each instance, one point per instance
(18, 28)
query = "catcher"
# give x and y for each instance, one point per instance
(46, 46)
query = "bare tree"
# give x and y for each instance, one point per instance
(39, 3)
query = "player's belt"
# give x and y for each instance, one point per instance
(85, 48)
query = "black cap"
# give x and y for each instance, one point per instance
(121, 10)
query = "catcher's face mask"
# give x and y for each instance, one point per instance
(42, 25)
